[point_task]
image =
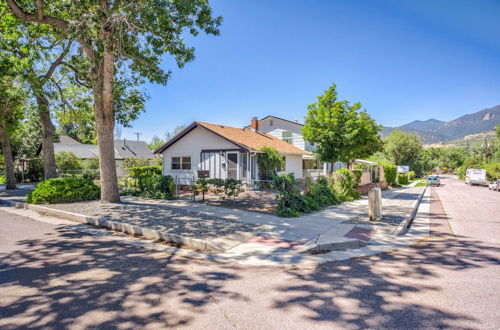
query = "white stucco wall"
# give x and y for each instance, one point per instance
(191, 145)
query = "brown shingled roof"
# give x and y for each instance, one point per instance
(245, 138)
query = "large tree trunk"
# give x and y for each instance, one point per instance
(49, 159)
(9, 161)
(105, 123)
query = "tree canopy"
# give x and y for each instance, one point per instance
(403, 148)
(341, 131)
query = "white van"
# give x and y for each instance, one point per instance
(475, 176)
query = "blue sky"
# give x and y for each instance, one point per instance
(403, 60)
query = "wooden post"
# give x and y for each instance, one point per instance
(375, 204)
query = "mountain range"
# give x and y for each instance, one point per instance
(434, 131)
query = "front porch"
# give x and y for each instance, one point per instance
(239, 164)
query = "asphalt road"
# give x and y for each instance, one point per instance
(54, 277)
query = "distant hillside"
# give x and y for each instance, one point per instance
(433, 130)
(430, 125)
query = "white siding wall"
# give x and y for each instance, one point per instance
(191, 145)
(279, 126)
(293, 164)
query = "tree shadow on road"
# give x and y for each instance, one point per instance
(375, 291)
(68, 280)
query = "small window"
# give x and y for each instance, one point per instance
(186, 163)
(271, 123)
(287, 136)
(176, 163)
(179, 163)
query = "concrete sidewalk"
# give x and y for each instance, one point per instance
(343, 229)
(336, 227)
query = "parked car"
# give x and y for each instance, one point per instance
(433, 180)
(495, 185)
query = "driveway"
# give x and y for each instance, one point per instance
(54, 277)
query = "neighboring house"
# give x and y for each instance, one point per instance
(218, 151)
(123, 149)
(291, 132)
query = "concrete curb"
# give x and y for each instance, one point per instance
(126, 228)
(403, 226)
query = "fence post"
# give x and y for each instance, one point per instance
(375, 204)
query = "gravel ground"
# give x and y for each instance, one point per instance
(165, 219)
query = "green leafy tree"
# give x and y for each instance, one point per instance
(126, 36)
(403, 148)
(38, 55)
(342, 131)
(12, 103)
(269, 162)
(155, 143)
(497, 152)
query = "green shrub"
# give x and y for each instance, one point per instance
(2, 179)
(493, 171)
(343, 185)
(156, 186)
(67, 161)
(411, 175)
(91, 164)
(232, 188)
(269, 163)
(403, 178)
(137, 162)
(291, 203)
(63, 190)
(357, 173)
(35, 170)
(390, 173)
(139, 171)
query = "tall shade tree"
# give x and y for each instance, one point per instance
(39, 54)
(403, 148)
(116, 35)
(341, 130)
(12, 96)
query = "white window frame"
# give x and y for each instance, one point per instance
(181, 163)
(288, 139)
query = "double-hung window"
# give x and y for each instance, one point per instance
(181, 163)
(287, 136)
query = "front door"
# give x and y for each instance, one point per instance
(232, 165)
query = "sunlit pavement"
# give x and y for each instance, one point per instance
(53, 277)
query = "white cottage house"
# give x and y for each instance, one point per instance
(218, 151)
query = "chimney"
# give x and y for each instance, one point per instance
(254, 124)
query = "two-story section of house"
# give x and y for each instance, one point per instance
(290, 131)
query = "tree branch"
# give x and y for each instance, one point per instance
(40, 18)
(56, 63)
(49, 20)
(77, 74)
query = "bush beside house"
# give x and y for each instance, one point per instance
(63, 190)
(324, 192)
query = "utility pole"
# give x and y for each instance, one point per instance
(137, 133)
